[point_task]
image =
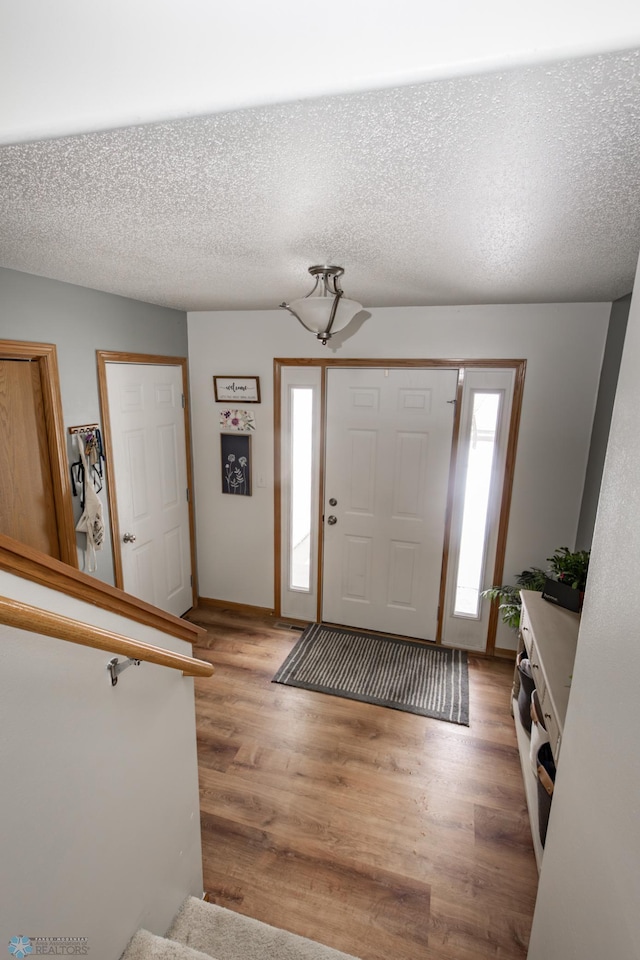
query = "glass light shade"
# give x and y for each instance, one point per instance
(315, 312)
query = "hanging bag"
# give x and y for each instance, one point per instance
(91, 522)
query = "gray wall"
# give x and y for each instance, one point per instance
(80, 321)
(602, 420)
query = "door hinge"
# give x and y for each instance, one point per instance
(187, 492)
(191, 579)
(183, 402)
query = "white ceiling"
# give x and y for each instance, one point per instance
(516, 186)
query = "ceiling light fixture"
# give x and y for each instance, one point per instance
(325, 310)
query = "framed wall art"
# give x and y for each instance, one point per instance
(237, 421)
(235, 456)
(236, 389)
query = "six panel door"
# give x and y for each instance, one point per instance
(150, 466)
(387, 460)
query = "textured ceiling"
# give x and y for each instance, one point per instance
(522, 186)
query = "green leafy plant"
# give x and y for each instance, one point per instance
(509, 596)
(568, 566)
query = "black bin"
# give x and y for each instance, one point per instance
(546, 782)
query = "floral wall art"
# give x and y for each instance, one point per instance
(235, 451)
(240, 420)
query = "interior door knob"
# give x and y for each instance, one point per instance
(331, 520)
(129, 538)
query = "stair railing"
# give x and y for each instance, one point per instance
(23, 616)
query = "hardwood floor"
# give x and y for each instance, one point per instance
(383, 834)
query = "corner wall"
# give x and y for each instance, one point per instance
(602, 420)
(562, 343)
(589, 891)
(80, 321)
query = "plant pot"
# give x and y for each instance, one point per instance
(562, 595)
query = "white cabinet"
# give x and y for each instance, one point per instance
(549, 634)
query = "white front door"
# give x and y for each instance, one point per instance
(388, 450)
(149, 457)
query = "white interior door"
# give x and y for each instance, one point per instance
(388, 448)
(149, 456)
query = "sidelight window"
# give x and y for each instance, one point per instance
(481, 447)
(300, 526)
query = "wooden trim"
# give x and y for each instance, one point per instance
(114, 523)
(25, 617)
(423, 363)
(507, 490)
(395, 363)
(190, 481)
(455, 440)
(504, 653)
(153, 359)
(244, 608)
(321, 492)
(30, 564)
(277, 476)
(45, 354)
(109, 356)
(277, 488)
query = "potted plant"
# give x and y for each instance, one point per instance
(509, 596)
(569, 567)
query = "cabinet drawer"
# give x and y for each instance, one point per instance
(551, 723)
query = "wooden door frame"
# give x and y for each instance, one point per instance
(109, 356)
(46, 357)
(519, 366)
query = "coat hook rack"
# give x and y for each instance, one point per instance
(93, 451)
(85, 428)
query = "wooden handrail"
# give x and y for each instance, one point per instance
(14, 613)
(30, 564)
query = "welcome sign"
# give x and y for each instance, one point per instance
(244, 389)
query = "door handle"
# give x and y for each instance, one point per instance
(333, 502)
(331, 520)
(129, 538)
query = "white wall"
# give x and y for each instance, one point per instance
(589, 890)
(81, 66)
(99, 798)
(562, 343)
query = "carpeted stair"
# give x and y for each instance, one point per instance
(202, 930)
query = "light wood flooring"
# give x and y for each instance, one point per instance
(383, 834)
